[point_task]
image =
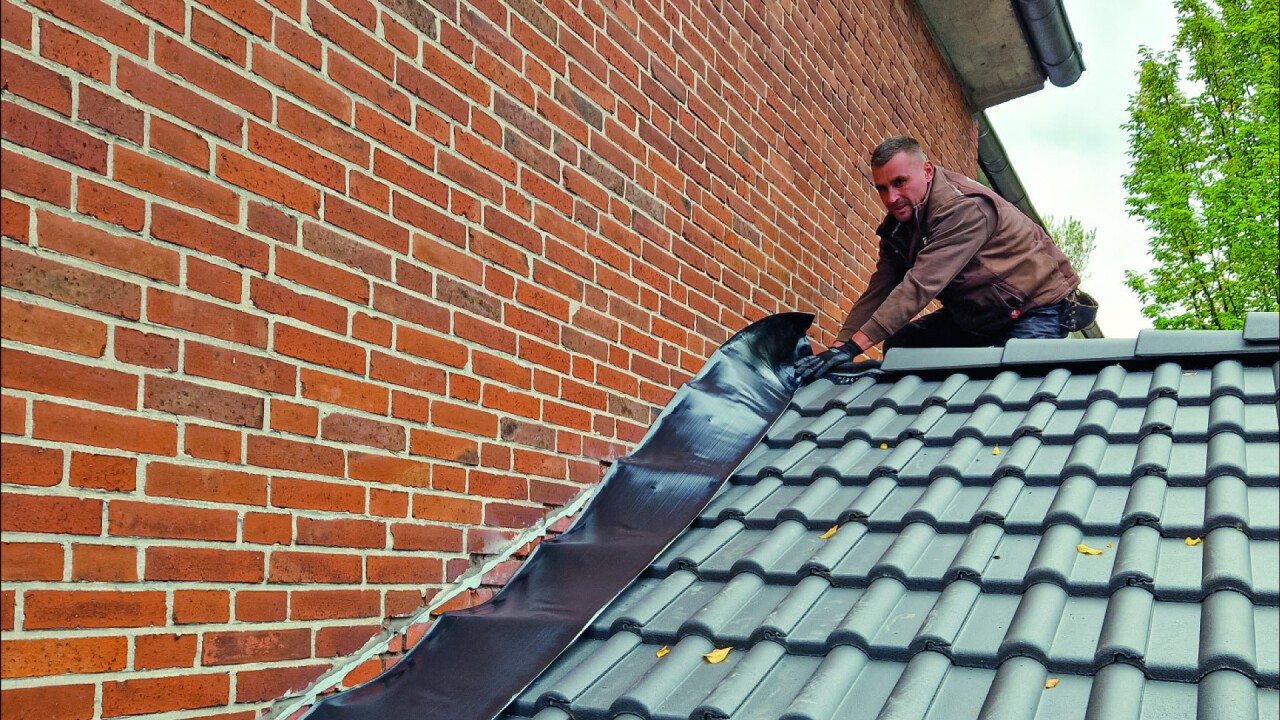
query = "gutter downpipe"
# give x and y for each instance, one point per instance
(1051, 38)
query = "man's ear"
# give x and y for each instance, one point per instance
(928, 171)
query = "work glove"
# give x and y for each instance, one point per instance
(815, 366)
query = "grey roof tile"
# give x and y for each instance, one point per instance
(1262, 327)
(991, 532)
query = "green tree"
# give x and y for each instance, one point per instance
(1203, 132)
(1071, 237)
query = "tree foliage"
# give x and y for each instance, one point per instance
(1073, 239)
(1203, 135)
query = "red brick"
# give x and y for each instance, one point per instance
(26, 79)
(155, 652)
(163, 94)
(30, 561)
(30, 465)
(416, 536)
(239, 368)
(319, 349)
(50, 514)
(201, 607)
(278, 300)
(191, 232)
(371, 329)
(403, 570)
(389, 470)
(273, 222)
(41, 276)
(294, 418)
(210, 279)
(123, 253)
(203, 565)
(444, 447)
(262, 606)
(341, 533)
(51, 376)
(180, 144)
(47, 609)
(8, 608)
(301, 82)
(90, 427)
(53, 138)
(343, 640)
(464, 419)
(48, 702)
(209, 443)
(156, 695)
(35, 179)
(274, 452)
(298, 157)
(406, 373)
(147, 350)
(182, 398)
(334, 604)
(15, 220)
(252, 16)
(313, 495)
(206, 318)
(110, 205)
(267, 182)
(322, 276)
(388, 503)
(274, 683)
(431, 347)
(268, 528)
(317, 130)
(463, 511)
(13, 416)
(103, 111)
(61, 656)
(104, 563)
(211, 76)
(135, 519)
(352, 429)
(103, 21)
(220, 39)
(103, 472)
(308, 567)
(368, 225)
(174, 183)
(363, 673)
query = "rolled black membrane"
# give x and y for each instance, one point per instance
(472, 663)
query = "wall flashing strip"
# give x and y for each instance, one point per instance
(474, 661)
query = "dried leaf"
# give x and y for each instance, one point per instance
(1187, 374)
(996, 451)
(1086, 550)
(717, 656)
(830, 533)
(884, 446)
(1193, 541)
(662, 652)
(1051, 683)
(1108, 544)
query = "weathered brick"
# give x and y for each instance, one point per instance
(48, 702)
(163, 694)
(93, 609)
(154, 652)
(334, 604)
(274, 683)
(103, 472)
(104, 563)
(30, 561)
(201, 607)
(62, 656)
(310, 567)
(136, 519)
(186, 399)
(203, 565)
(91, 427)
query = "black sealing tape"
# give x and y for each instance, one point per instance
(473, 662)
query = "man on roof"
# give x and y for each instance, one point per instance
(947, 237)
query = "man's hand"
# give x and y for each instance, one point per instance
(815, 366)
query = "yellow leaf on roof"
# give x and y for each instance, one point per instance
(717, 656)
(996, 451)
(1108, 544)
(884, 446)
(1086, 550)
(1051, 683)
(662, 652)
(1193, 541)
(830, 533)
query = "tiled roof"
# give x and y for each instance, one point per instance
(1057, 529)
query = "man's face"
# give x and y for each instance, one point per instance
(902, 183)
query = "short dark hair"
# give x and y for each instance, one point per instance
(885, 151)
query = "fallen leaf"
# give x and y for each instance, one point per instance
(1051, 683)
(1108, 544)
(717, 656)
(1193, 541)
(884, 446)
(1086, 550)
(662, 652)
(996, 451)
(1187, 374)
(830, 533)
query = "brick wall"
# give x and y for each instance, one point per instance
(308, 305)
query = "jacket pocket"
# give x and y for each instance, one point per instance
(982, 302)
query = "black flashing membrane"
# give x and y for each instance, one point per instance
(473, 662)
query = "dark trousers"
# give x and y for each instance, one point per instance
(939, 329)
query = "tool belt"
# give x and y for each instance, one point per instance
(1079, 311)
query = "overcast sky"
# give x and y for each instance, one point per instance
(1069, 148)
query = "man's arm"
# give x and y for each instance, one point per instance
(888, 273)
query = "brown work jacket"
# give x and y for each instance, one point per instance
(969, 248)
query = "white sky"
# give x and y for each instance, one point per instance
(1070, 151)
